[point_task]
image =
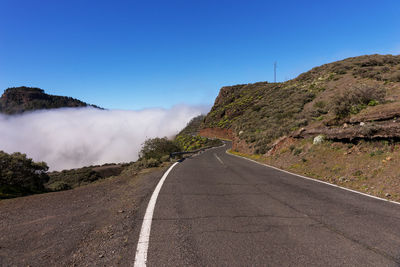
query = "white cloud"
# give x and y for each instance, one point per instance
(75, 137)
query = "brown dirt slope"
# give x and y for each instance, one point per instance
(93, 225)
(371, 167)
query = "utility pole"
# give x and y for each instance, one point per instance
(275, 71)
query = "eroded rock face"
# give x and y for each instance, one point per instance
(371, 130)
(216, 133)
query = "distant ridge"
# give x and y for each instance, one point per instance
(17, 100)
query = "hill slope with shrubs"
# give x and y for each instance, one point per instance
(338, 122)
(360, 89)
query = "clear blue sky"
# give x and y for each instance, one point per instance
(137, 54)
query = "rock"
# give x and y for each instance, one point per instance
(362, 123)
(387, 195)
(342, 179)
(318, 139)
(120, 211)
(241, 132)
(388, 158)
(101, 256)
(345, 125)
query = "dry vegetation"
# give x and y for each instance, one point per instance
(353, 104)
(319, 100)
(369, 167)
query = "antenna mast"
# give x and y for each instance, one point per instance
(275, 71)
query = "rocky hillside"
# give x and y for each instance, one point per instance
(193, 126)
(20, 99)
(349, 99)
(338, 123)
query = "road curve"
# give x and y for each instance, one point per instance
(216, 209)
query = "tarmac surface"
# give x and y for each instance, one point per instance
(216, 209)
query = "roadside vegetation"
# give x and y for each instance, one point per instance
(356, 99)
(370, 167)
(191, 143)
(69, 179)
(20, 175)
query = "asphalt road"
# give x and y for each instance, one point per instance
(215, 209)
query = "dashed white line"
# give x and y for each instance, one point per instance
(218, 159)
(144, 237)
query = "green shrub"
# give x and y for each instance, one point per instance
(320, 104)
(157, 148)
(21, 174)
(190, 143)
(151, 163)
(68, 179)
(356, 99)
(59, 186)
(297, 151)
(373, 102)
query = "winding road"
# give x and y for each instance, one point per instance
(215, 209)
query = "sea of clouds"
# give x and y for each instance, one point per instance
(69, 138)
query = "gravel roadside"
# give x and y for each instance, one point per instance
(94, 225)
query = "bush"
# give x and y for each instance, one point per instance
(297, 151)
(147, 163)
(357, 99)
(21, 174)
(68, 179)
(59, 186)
(157, 148)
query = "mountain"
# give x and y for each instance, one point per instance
(338, 122)
(21, 99)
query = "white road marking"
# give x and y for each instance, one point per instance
(144, 237)
(314, 180)
(218, 158)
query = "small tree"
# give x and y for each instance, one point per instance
(18, 171)
(156, 148)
